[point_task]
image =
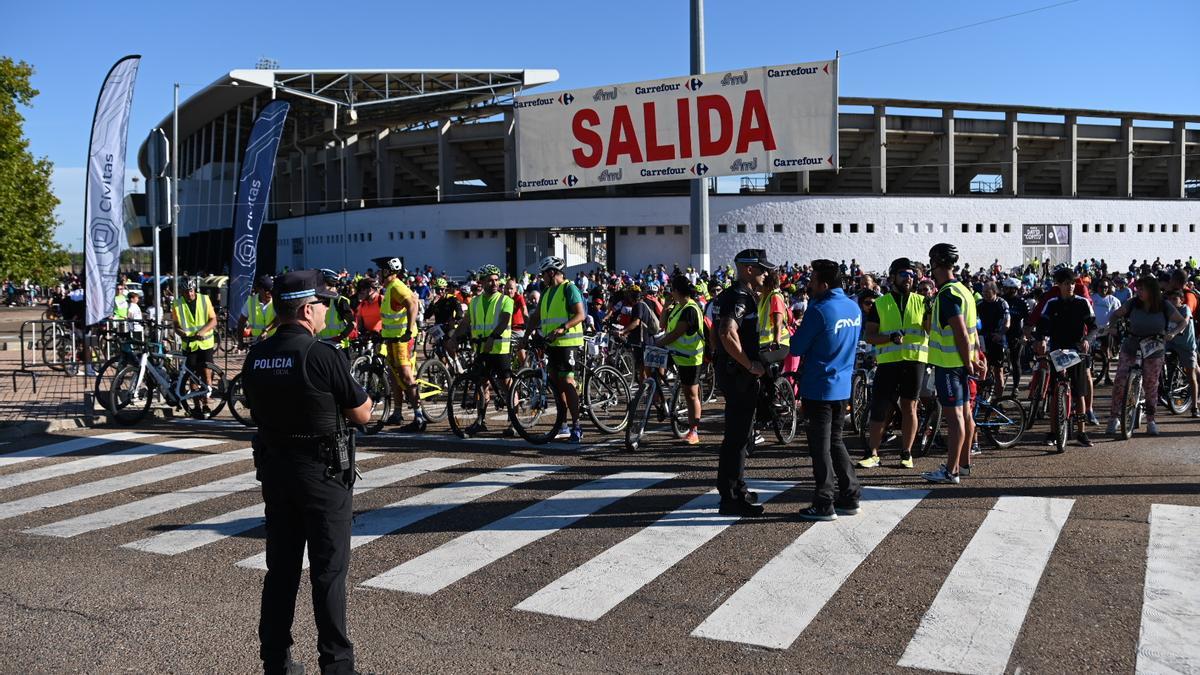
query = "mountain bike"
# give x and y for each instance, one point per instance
(1062, 398)
(167, 375)
(1129, 416)
(861, 382)
(777, 409)
(650, 393)
(999, 419)
(606, 394)
(1174, 385)
(370, 370)
(471, 395)
(533, 406)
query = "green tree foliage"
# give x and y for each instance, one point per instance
(27, 222)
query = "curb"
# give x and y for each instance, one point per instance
(34, 427)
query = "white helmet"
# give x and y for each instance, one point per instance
(389, 264)
(551, 262)
(1011, 282)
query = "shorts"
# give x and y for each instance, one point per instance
(198, 359)
(400, 354)
(901, 379)
(563, 361)
(1187, 359)
(688, 375)
(1077, 375)
(499, 365)
(995, 355)
(951, 383)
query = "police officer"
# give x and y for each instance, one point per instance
(300, 390)
(739, 374)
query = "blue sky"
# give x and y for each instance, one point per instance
(1105, 54)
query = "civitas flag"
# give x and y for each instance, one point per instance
(254, 190)
(104, 193)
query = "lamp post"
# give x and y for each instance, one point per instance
(699, 187)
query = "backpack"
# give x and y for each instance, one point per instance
(653, 325)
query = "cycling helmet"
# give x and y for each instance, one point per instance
(551, 262)
(1012, 282)
(634, 289)
(489, 270)
(465, 289)
(943, 255)
(191, 285)
(389, 265)
(331, 277)
(1064, 273)
(899, 265)
(439, 282)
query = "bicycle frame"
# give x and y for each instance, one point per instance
(174, 392)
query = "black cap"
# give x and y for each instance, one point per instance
(265, 282)
(302, 284)
(754, 256)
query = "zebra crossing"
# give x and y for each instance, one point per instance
(971, 626)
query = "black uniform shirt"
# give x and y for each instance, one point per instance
(1066, 321)
(281, 401)
(738, 304)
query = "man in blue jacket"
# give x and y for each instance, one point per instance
(827, 340)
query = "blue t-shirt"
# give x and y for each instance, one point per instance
(827, 339)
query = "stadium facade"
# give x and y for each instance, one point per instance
(422, 164)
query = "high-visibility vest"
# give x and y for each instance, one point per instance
(484, 315)
(333, 320)
(121, 307)
(915, 344)
(554, 313)
(942, 352)
(765, 330)
(395, 322)
(191, 324)
(691, 346)
(258, 316)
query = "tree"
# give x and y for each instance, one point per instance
(27, 221)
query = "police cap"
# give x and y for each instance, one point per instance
(754, 256)
(302, 284)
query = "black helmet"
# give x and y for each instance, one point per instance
(943, 255)
(1064, 273)
(899, 265)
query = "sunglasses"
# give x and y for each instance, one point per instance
(319, 301)
(905, 275)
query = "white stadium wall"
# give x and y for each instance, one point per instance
(650, 230)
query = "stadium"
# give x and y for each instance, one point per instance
(422, 164)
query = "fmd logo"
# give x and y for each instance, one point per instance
(731, 79)
(694, 84)
(570, 180)
(610, 176)
(846, 323)
(700, 169)
(605, 95)
(742, 166)
(566, 98)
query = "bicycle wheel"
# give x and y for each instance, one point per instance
(1037, 400)
(1003, 422)
(358, 370)
(1176, 391)
(929, 417)
(464, 409)
(860, 401)
(1100, 361)
(708, 382)
(428, 345)
(219, 392)
(533, 406)
(434, 389)
(1062, 411)
(783, 406)
(639, 409)
(378, 386)
(625, 364)
(101, 389)
(239, 406)
(607, 397)
(1131, 411)
(129, 400)
(678, 412)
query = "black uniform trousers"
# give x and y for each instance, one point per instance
(740, 389)
(829, 456)
(304, 505)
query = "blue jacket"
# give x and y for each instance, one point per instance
(828, 339)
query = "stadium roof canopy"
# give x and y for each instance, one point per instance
(362, 99)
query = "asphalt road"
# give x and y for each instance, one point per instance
(1036, 563)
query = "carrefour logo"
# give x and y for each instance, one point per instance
(529, 103)
(570, 180)
(566, 98)
(802, 161)
(798, 70)
(694, 84)
(656, 89)
(540, 182)
(700, 169)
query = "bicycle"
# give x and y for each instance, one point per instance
(533, 395)
(370, 370)
(468, 406)
(929, 418)
(156, 374)
(861, 383)
(1000, 419)
(1130, 415)
(652, 391)
(1062, 396)
(1174, 386)
(606, 394)
(1039, 385)
(777, 408)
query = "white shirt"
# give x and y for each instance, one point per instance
(1104, 306)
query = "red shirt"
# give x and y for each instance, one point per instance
(518, 317)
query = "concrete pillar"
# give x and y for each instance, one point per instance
(354, 177)
(1009, 168)
(385, 169)
(879, 153)
(315, 186)
(1177, 163)
(946, 155)
(804, 183)
(1124, 161)
(1069, 166)
(447, 163)
(510, 153)
(333, 177)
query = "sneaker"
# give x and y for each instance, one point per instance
(1111, 429)
(691, 437)
(89, 372)
(964, 471)
(1092, 419)
(758, 439)
(750, 496)
(563, 434)
(824, 515)
(509, 432)
(1050, 439)
(739, 507)
(868, 462)
(576, 435)
(942, 475)
(1082, 439)
(475, 428)
(975, 449)
(847, 510)
(416, 426)
(1152, 428)
(906, 461)
(1195, 411)
(395, 418)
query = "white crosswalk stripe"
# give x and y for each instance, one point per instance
(591, 590)
(214, 529)
(376, 523)
(774, 607)
(101, 461)
(64, 447)
(1171, 599)
(458, 558)
(974, 621)
(105, 486)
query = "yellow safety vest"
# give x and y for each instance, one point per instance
(553, 314)
(915, 344)
(765, 333)
(259, 316)
(691, 346)
(191, 324)
(942, 351)
(121, 307)
(485, 318)
(394, 323)
(333, 320)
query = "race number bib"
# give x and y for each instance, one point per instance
(1064, 358)
(1152, 347)
(655, 357)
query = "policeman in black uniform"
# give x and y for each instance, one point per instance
(739, 374)
(302, 396)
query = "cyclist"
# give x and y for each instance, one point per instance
(258, 314)
(489, 318)
(446, 310)
(519, 314)
(399, 314)
(952, 352)
(339, 320)
(685, 334)
(894, 327)
(560, 318)
(1104, 303)
(1184, 344)
(995, 321)
(1149, 315)
(1018, 314)
(641, 328)
(195, 323)
(367, 314)
(1066, 321)
(772, 313)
